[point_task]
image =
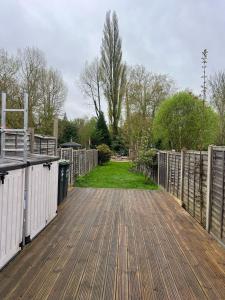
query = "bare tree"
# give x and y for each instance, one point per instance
(9, 84)
(32, 62)
(217, 99)
(8, 71)
(145, 91)
(113, 70)
(91, 84)
(52, 96)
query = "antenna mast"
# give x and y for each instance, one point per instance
(204, 59)
(204, 76)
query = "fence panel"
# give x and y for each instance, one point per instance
(39, 145)
(174, 174)
(44, 145)
(198, 179)
(195, 184)
(81, 161)
(217, 199)
(162, 165)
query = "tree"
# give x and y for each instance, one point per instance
(86, 129)
(52, 93)
(9, 67)
(68, 131)
(28, 72)
(113, 70)
(9, 84)
(178, 123)
(32, 63)
(101, 135)
(91, 84)
(217, 93)
(144, 93)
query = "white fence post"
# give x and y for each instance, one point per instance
(209, 181)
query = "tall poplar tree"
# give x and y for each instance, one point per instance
(113, 70)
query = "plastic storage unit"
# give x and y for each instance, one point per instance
(12, 178)
(63, 180)
(42, 190)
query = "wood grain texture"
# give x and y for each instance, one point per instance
(118, 244)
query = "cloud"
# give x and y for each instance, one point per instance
(166, 36)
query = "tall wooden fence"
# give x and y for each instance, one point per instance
(198, 180)
(216, 193)
(81, 161)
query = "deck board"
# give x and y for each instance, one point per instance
(118, 244)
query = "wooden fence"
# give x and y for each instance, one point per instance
(216, 190)
(37, 144)
(81, 161)
(197, 179)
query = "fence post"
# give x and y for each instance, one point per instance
(209, 181)
(72, 168)
(158, 158)
(167, 171)
(31, 140)
(182, 177)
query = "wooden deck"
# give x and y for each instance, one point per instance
(118, 244)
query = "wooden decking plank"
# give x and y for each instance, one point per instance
(101, 270)
(110, 277)
(134, 285)
(157, 259)
(122, 274)
(148, 290)
(85, 287)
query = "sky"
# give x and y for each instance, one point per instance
(166, 36)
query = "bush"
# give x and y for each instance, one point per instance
(146, 162)
(183, 122)
(118, 146)
(104, 153)
(147, 158)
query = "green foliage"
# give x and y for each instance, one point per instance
(118, 145)
(86, 129)
(147, 158)
(115, 175)
(182, 121)
(104, 153)
(113, 70)
(101, 134)
(67, 131)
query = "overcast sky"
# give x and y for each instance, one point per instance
(166, 36)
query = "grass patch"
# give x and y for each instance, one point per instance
(115, 175)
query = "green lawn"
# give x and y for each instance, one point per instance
(114, 175)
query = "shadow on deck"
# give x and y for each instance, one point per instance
(118, 244)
